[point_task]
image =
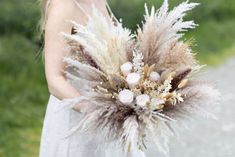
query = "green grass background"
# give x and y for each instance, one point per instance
(23, 90)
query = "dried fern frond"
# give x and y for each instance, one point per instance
(176, 55)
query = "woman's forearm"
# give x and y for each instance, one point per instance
(62, 89)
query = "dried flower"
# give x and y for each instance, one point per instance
(126, 96)
(142, 100)
(126, 68)
(133, 79)
(116, 71)
(154, 76)
(138, 62)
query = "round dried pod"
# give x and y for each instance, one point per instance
(183, 83)
(172, 74)
(165, 74)
(154, 76)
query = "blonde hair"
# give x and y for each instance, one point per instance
(44, 10)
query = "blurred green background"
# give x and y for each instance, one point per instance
(23, 90)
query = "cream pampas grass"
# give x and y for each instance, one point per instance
(140, 86)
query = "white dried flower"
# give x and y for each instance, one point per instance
(133, 79)
(126, 68)
(138, 61)
(142, 100)
(126, 96)
(177, 98)
(166, 86)
(154, 76)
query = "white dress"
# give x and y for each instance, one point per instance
(54, 142)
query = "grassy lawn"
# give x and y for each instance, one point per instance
(215, 41)
(23, 96)
(217, 59)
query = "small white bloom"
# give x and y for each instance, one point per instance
(142, 100)
(126, 68)
(138, 63)
(133, 79)
(154, 76)
(126, 96)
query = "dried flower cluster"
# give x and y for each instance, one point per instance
(136, 85)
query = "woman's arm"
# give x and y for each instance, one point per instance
(60, 13)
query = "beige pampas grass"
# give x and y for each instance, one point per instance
(177, 55)
(107, 43)
(161, 28)
(160, 80)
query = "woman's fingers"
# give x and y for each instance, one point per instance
(81, 107)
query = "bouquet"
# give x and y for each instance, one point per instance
(136, 86)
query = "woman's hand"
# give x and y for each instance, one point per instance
(81, 107)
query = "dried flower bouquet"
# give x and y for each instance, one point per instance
(136, 85)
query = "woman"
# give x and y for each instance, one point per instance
(56, 15)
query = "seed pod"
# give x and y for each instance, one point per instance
(169, 95)
(183, 83)
(154, 76)
(179, 77)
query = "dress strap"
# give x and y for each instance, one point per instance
(82, 9)
(107, 6)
